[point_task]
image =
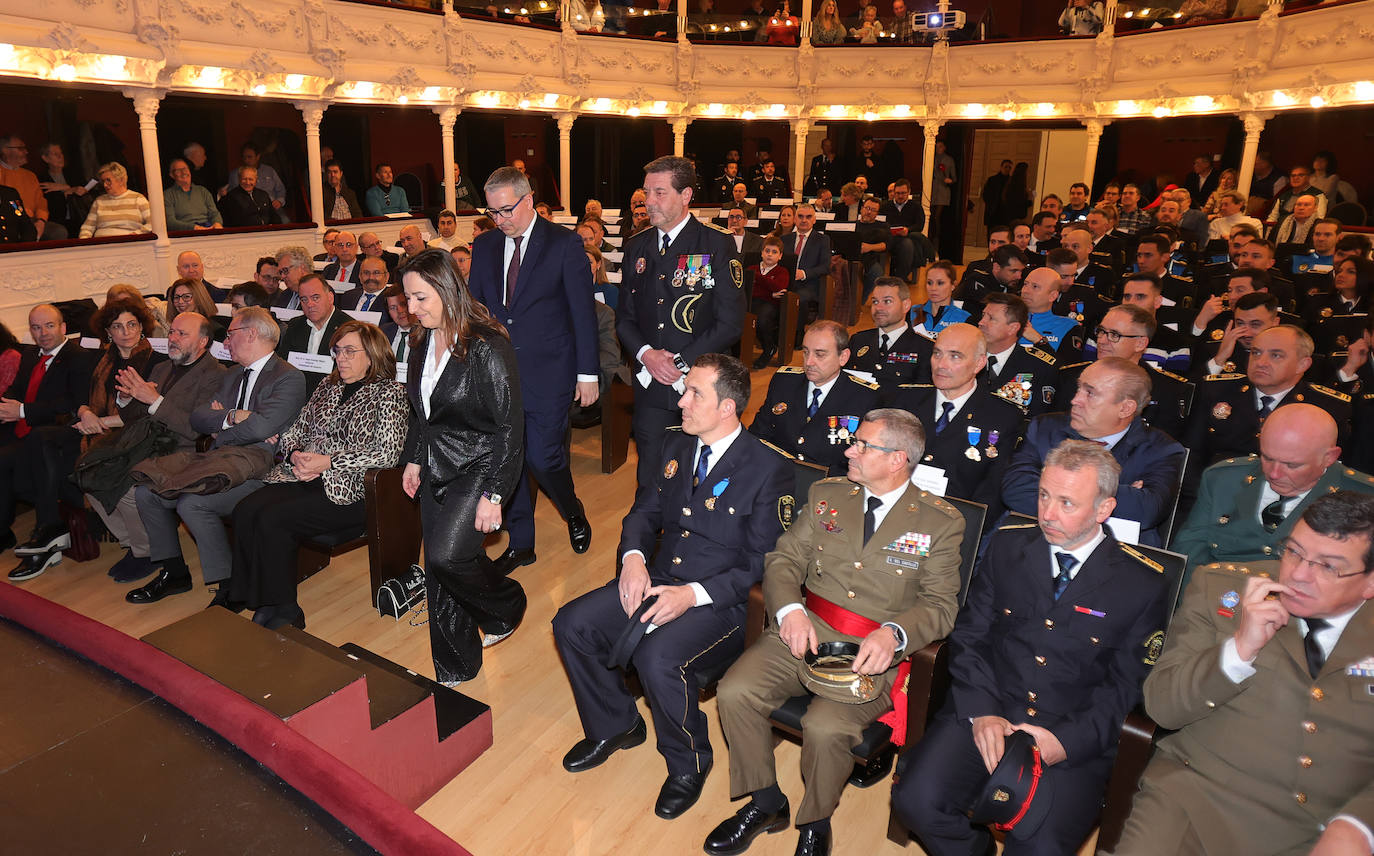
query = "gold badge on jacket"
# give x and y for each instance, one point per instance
(671, 469)
(1153, 646)
(1217, 334)
(863, 350)
(786, 506)
(780, 408)
(1221, 411)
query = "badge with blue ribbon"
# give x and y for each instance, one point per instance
(974, 435)
(716, 491)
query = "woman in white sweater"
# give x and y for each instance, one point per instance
(120, 211)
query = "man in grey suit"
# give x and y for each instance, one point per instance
(254, 403)
(746, 242)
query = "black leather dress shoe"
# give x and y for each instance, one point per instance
(587, 753)
(679, 793)
(221, 598)
(736, 834)
(33, 565)
(813, 842)
(45, 540)
(512, 559)
(579, 533)
(163, 584)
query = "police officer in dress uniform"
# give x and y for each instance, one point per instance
(1004, 269)
(681, 296)
(890, 350)
(1268, 677)
(1230, 408)
(971, 433)
(1111, 394)
(1057, 333)
(871, 560)
(725, 184)
(717, 503)
(1061, 625)
(1247, 506)
(1026, 377)
(813, 411)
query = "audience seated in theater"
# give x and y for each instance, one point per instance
(203, 171)
(1202, 181)
(187, 295)
(1170, 347)
(875, 243)
(124, 325)
(1296, 228)
(1112, 393)
(1226, 183)
(1153, 254)
(265, 274)
(310, 332)
(1192, 223)
(787, 221)
(1352, 281)
(371, 245)
(738, 198)
(155, 305)
(1131, 219)
(1058, 334)
(256, 400)
(53, 380)
(1230, 213)
(1299, 184)
(411, 243)
(397, 322)
(462, 259)
(13, 155)
(246, 204)
(190, 266)
(771, 282)
(189, 206)
(119, 211)
(745, 241)
(600, 283)
(770, 185)
(249, 294)
(328, 255)
(466, 195)
(940, 309)
(1225, 336)
(725, 183)
(292, 264)
(345, 268)
(385, 197)
(367, 297)
(448, 232)
(1267, 181)
(354, 421)
(905, 219)
(340, 202)
(638, 198)
(268, 181)
(1107, 249)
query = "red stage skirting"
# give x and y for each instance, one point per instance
(378, 818)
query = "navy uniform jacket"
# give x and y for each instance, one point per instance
(1146, 455)
(908, 357)
(782, 419)
(15, 224)
(995, 423)
(1028, 380)
(660, 309)
(725, 189)
(717, 534)
(1084, 305)
(768, 189)
(1074, 666)
(1099, 278)
(1170, 397)
(976, 284)
(1226, 424)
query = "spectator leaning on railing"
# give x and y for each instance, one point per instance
(1082, 18)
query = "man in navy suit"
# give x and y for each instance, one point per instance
(1061, 626)
(346, 268)
(533, 276)
(367, 297)
(811, 266)
(1111, 394)
(733, 495)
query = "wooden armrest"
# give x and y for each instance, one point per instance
(754, 619)
(393, 527)
(1132, 755)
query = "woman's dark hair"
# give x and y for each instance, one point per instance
(1343, 515)
(7, 340)
(106, 315)
(463, 316)
(1015, 188)
(375, 345)
(1364, 274)
(253, 294)
(200, 298)
(1331, 167)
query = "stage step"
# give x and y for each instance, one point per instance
(407, 734)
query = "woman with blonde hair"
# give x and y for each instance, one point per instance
(827, 28)
(1226, 183)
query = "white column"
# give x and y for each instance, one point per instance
(800, 128)
(1094, 127)
(1254, 124)
(448, 117)
(565, 123)
(680, 134)
(682, 9)
(932, 129)
(146, 102)
(805, 28)
(313, 112)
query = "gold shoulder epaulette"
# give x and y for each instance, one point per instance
(1076, 365)
(780, 450)
(1044, 357)
(1181, 278)
(712, 225)
(1017, 526)
(791, 370)
(834, 480)
(915, 386)
(1141, 557)
(1176, 377)
(677, 428)
(1326, 390)
(1225, 376)
(861, 382)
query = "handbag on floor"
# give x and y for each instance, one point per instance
(399, 595)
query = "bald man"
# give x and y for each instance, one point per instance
(190, 266)
(411, 241)
(1247, 505)
(345, 268)
(1056, 334)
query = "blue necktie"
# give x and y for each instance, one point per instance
(815, 403)
(943, 422)
(367, 302)
(703, 464)
(1067, 563)
(666, 241)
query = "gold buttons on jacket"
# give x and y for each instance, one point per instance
(1030, 695)
(1095, 640)
(1268, 551)
(1300, 797)
(1305, 761)
(1040, 661)
(1317, 694)
(858, 566)
(1310, 727)
(677, 560)
(1049, 624)
(686, 512)
(685, 533)
(851, 594)
(1030, 711)
(1006, 612)
(801, 441)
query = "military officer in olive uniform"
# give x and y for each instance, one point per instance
(1266, 683)
(871, 560)
(1061, 625)
(718, 502)
(1245, 507)
(891, 350)
(1230, 408)
(681, 296)
(970, 433)
(813, 411)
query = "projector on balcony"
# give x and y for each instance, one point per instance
(928, 22)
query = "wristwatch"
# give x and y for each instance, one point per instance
(493, 498)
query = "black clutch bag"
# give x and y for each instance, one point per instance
(400, 595)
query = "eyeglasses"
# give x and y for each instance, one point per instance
(864, 446)
(504, 213)
(232, 330)
(1290, 554)
(339, 351)
(183, 298)
(1115, 336)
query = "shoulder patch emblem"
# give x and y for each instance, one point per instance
(780, 408)
(862, 351)
(786, 506)
(737, 273)
(670, 469)
(1154, 646)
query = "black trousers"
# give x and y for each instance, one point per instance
(766, 327)
(57, 448)
(667, 661)
(945, 775)
(546, 463)
(467, 596)
(269, 525)
(650, 421)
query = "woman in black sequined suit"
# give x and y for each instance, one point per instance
(462, 458)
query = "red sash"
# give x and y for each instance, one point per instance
(853, 624)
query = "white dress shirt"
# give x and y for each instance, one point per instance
(429, 378)
(256, 369)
